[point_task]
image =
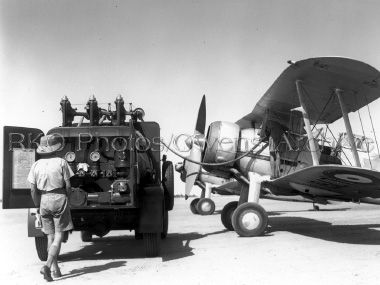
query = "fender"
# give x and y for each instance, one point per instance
(151, 210)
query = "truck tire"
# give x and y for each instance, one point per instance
(165, 225)
(168, 184)
(152, 244)
(41, 247)
(138, 236)
(86, 236)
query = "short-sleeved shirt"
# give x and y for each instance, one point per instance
(50, 173)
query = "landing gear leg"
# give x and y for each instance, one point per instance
(315, 207)
(250, 219)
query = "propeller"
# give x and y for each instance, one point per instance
(196, 144)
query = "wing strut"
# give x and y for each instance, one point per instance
(347, 123)
(313, 148)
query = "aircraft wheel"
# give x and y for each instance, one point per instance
(41, 247)
(165, 225)
(226, 215)
(193, 206)
(249, 219)
(86, 236)
(205, 207)
(152, 244)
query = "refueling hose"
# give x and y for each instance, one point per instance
(215, 164)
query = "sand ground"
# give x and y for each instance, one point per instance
(338, 245)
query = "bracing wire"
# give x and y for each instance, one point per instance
(316, 122)
(337, 141)
(373, 129)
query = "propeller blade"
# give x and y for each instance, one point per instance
(201, 119)
(192, 169)
(196, 144)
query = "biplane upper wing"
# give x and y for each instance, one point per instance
(335, 181)
(319, 77)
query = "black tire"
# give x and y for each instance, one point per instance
(168, 184)
(86, 236)
(205, 206)
(165, 225)
(41, 247)
(152, 244)
(193, 206)
(138, 235)
(254, 225)
(226, 215)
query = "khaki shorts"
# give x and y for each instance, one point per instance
(55, 213)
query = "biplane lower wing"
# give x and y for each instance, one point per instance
(334, 181)
(230, 188)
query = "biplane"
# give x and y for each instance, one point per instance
(233, 158)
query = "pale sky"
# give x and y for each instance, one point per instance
(164, 55)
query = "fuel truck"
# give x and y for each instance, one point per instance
(121, 182)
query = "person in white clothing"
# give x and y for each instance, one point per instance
(50, 179)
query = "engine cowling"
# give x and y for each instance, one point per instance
(222, 142)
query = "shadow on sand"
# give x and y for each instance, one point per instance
(178, 245)
(352, 234)
(175, 246)
(93, 269)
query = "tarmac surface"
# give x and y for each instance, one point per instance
(340, 244)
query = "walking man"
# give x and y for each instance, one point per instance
(50, 177)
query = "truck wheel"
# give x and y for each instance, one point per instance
(138, 235)
(193, 206)
(226, 215)
(86, 236)
(205, 207)
(168, 184)
(152, 244)
(249, 220)
(165, 225)
(41, 247)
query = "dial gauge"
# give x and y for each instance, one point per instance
(70, 156)
(94, 156)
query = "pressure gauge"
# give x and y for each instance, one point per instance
(70, 156)
(94, 156)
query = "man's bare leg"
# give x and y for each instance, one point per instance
(54, 265)
(50, 238)
(54, 249)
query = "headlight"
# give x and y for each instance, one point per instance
(94, 156)
(70, 156)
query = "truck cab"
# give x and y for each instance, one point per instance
(120, 182)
